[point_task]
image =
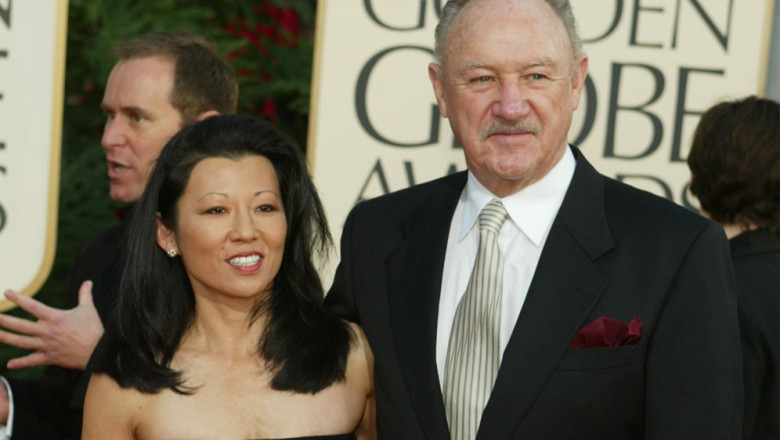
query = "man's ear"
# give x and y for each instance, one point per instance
(206, 114)
(578, 81)
(434, 72)
(166, 238)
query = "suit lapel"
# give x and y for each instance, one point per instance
(414, 274)
(565, 287)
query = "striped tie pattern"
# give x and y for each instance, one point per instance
(473, 354)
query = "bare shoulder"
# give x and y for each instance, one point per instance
(361, 359)
(109, 409)
(361, 371)
(104, 391)
(359, 342)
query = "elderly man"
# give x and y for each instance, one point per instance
(531, 297)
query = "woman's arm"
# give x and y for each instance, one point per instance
(367, 428)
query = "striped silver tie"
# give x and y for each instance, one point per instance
(474, 350)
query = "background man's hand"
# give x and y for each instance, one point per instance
(58, 337)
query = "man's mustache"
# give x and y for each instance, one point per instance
(498, 127)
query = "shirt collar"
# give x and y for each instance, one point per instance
(532, 209)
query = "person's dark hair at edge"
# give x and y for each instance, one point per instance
(305, 346)
(203, 80)
(735, 163)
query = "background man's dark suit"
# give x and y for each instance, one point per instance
(612, 251)
(52, 405)
(756, 256)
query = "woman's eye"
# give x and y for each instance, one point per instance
(267, 208)
(216, 210)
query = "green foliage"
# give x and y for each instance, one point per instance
(274, 67)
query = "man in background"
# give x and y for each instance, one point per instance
(160, 83)
(735, 174)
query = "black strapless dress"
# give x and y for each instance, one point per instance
(321, 437)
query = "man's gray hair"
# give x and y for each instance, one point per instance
(562, 9)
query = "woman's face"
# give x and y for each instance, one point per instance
(231, 228)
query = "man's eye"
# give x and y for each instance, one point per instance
(483, 79)
(537, 76)
(137, 118)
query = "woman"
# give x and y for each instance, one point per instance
(735, 174)
(220, 332)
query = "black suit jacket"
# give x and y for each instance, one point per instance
(51, 406)
(756, 256)
(613, 251)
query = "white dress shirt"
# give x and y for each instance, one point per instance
(531, 211)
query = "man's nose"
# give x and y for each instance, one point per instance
(113, 133)
(511, 102)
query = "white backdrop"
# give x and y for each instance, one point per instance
(32, 63)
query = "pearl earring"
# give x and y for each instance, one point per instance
(172, 253)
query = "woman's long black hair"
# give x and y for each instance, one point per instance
(305, 346)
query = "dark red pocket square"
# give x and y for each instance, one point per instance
(607, 332)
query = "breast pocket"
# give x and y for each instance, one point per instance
(598, 358)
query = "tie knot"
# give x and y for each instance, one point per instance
(492, 217)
